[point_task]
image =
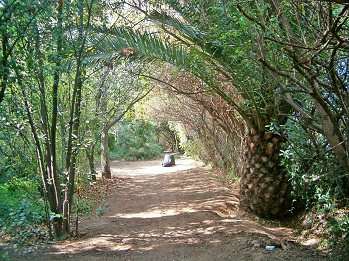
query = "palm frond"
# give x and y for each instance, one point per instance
(189, 35)
(117, 43)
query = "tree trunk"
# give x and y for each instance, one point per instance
(333, 135)
(4, 63)
(264, 188)
(90, 154)
(105, 162)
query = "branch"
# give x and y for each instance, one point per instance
(335, 1)
(137, 99)
(284, 74)
(297, 108)
(249, 17)
(172, 86)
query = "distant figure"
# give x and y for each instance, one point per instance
(169, 161)
(188, 138)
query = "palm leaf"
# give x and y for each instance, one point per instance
(117, 43)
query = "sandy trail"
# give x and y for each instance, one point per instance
(175, 213)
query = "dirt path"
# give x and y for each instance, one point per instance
(176, 213)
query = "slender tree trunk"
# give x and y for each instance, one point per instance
(90, 155)
(264, 188)
(49, 175)
(337, 142)
(50, 202)
(101, 108)
(105, 162)
(54, 113)
(4, 63)
(75, 112)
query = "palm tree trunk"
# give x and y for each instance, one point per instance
(264, 188)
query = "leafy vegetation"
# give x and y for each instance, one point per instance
(22, 211)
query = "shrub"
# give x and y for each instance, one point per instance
(316, 179)
(22, 211)
(25, 223)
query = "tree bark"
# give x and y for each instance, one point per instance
(4, 64)
(50, 179)
(105, 162)
(338, 144)
(264, 188)
(90, 154)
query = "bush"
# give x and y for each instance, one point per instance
(340, 228)
(312, 169)
(197, 150)
(316, 180)
(22, 212)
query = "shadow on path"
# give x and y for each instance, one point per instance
(182, 214)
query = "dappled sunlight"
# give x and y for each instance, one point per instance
(187, 213)
(152, 167)
(206, 231)
(156, 213)
(140, 239)
(165, 226)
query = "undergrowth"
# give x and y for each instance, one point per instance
(318, 183)
(22, 211)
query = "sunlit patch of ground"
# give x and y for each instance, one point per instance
(151, 167)
(175, 213)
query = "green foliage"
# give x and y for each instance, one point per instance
(5, 256)
(196, 149)
(144, 45)
(312, 168)
(135, 140)
(15, 190)
(316, 180)
(102, 210)
(17, 155)
(169, 136)
(340, 230)
(22, 211)
(83, 205)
